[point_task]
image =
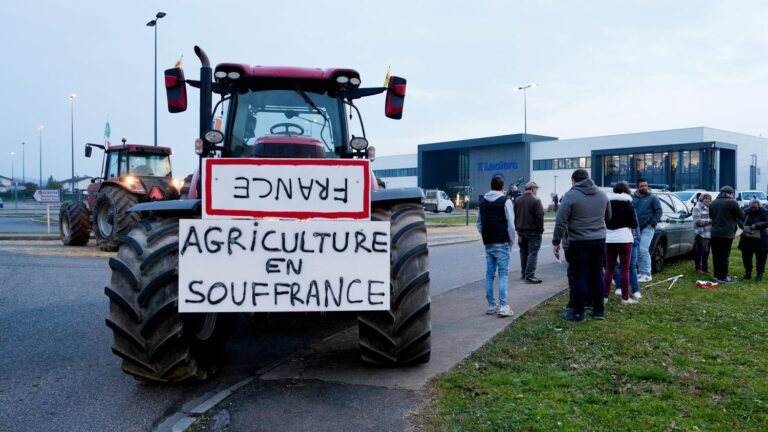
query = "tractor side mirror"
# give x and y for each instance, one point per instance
(176, 90)
(88, 151)
(395, 98)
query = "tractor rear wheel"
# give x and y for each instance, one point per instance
(155, 341)
(111, 219)
(74, 224)
(401, 335)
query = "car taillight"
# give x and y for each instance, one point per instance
(156, 194)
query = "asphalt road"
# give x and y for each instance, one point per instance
(57, 371)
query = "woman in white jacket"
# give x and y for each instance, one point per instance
(619, 239)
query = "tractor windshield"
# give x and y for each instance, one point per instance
(149, 165)
(285, 113)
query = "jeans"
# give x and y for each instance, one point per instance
(701, 253)
(529, 243)
(644, 254)
(623, 251)
(632, 269)
(496, 256)
(721, 253)
(586, 260)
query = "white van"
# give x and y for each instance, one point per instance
(437, 201)
(744, 197)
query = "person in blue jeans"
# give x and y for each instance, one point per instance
(649, 213)
(496, 224)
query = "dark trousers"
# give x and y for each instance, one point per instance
(529, 243)
(701, 253)
(623, 251)
(586, 262)
(751, 247)
(721, 252)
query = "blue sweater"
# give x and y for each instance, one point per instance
(648, 210)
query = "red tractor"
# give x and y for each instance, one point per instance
(132, 173)
(297, 115)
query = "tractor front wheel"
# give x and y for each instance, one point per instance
(74, 224)
(401, 335)
(111, 218)
(155, 341)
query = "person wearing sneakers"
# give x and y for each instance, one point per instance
(496, 224)
(754, 239)
(648, 209)
(529, 223)
(583, 212)
(725, 213)
(702, 226)
(619, 239)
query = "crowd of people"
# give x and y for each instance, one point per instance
(606, 238)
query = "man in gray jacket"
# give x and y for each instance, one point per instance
(583, 212)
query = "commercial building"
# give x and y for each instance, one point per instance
(396, 171)
(691, 158)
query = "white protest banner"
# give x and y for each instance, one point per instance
(287, 188)
(283, 266)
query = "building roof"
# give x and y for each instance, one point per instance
(77, 179)
(485, 141)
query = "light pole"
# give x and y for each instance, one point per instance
(13, 184)
(555, 185)
(72, 129)
(23, 165)
(40, 128)
(525, 103)
(153, 23)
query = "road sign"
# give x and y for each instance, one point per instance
(47, 195)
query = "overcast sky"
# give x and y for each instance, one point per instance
(602, 67)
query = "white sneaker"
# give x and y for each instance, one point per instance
(628, 301)
(504, 311)
(637, 295)
(492, 309)
(618, 291)
(645, 278)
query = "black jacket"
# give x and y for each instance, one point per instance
(529, 214)
(622, 212)
(725, 214)
(760, 220)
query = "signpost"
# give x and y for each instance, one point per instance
(47, 196)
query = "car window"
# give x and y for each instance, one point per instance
(679, 206)
(666, 206)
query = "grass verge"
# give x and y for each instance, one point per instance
(683, 359)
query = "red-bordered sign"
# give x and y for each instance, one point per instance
(287, 188)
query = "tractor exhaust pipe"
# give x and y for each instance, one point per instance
(206, 95)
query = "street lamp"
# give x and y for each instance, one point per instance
(153, 23)
(525, 103)
(555, 185)
(72, 129)
(23, 165)
(13, 184)
(40, 128)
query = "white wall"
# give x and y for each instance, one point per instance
(394, 162)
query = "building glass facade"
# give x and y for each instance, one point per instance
(678, 169)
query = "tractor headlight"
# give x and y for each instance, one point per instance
(214, 136)
(359, 143)
(341, 79)
(199, 146)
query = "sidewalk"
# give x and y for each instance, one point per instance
(311, 389)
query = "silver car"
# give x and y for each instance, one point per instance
(674, 233)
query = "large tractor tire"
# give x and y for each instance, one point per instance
(155, 341)
(401, 335)
(74, 224)
(111, 219)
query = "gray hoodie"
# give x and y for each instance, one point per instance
(583, 211)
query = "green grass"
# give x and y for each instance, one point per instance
(683, 359)
(457, 219)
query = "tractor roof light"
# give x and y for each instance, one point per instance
(354, 81)
(220, 74)
(341, 79)
(358, 143)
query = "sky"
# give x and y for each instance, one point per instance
(602, 68)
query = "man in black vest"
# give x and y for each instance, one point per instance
(496, 223)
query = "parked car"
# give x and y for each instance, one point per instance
(1, 203)
(674, 234)
(691, 202)
(744, 197)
